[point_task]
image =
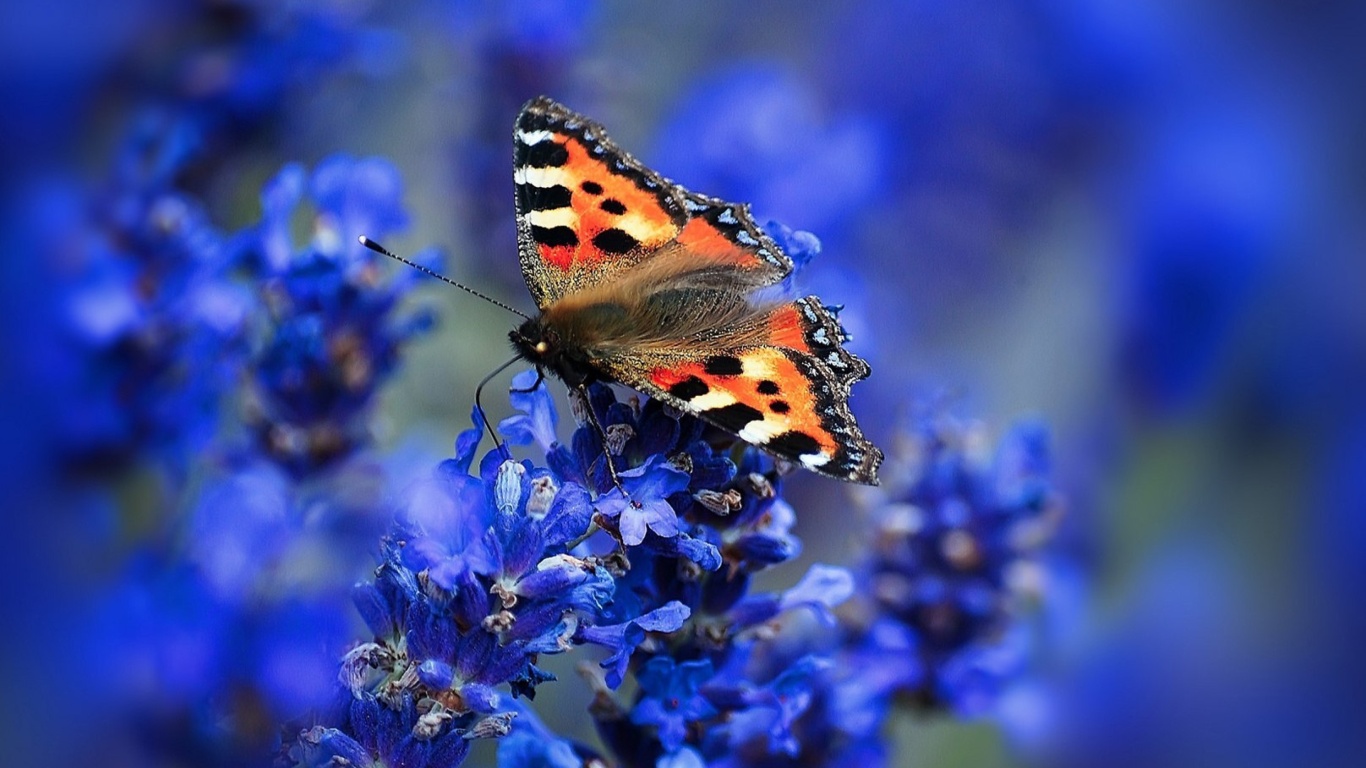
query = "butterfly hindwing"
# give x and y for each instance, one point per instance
(588, 212)
(808, 326)
(788, 395)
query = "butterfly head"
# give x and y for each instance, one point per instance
(542, 346)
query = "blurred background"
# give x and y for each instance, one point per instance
(1138, 222)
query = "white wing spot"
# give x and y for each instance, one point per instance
(814, 460)
(760, 431)
(716, 398)
(543, 177)
(559, 217)
(531, 138)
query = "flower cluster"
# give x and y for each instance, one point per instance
(245, 589)
(952, 559)
(489, 568)
(147, 328)
(331, 332)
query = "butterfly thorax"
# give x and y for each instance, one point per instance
(545, 347)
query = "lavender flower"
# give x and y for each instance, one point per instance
(487, 568)
(148, 328)
(237, 582)
(951, 562)
(333, 333)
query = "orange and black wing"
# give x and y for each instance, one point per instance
(588, 212)
(781, 383)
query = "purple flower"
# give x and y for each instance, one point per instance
(644, 505)
(622, 639)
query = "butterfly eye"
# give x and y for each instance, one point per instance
(541, 347)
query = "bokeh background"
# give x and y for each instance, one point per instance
(1139, 222)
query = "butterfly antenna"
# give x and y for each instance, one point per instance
(377, 248)
(478, 403)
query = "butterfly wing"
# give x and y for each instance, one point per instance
(779, 381)
(588, 212)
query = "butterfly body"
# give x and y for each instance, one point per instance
(642, 282)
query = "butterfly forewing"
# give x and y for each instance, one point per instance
(587, 211)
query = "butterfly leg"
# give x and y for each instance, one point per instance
(602, 436)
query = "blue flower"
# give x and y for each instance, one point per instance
(644, 505)
(320, 747)
(538, 420)
(775, 708)
(524, 750)
(404, 735)
(820, 590)
(147, 326)
(671, 699)
(624, 638)
(334, 335)
(949, 549)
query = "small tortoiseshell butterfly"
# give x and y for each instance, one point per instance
(641, 282)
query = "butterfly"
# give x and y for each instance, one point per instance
(641, 282)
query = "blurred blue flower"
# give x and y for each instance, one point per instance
(516, 52)
(755, 133)
(333, 332)
(953, 556)
(147, 326)
(1208, 209)
(251, 60)
(215, 608)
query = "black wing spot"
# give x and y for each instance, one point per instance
(724, 365)
(779, 406)
(554, 237)
(615, 241)
(794, 444)
(545, 154)
(612, 205)
(545, 198)
(767, 387)
(734, 416)
(591, 187)
(689, 388)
